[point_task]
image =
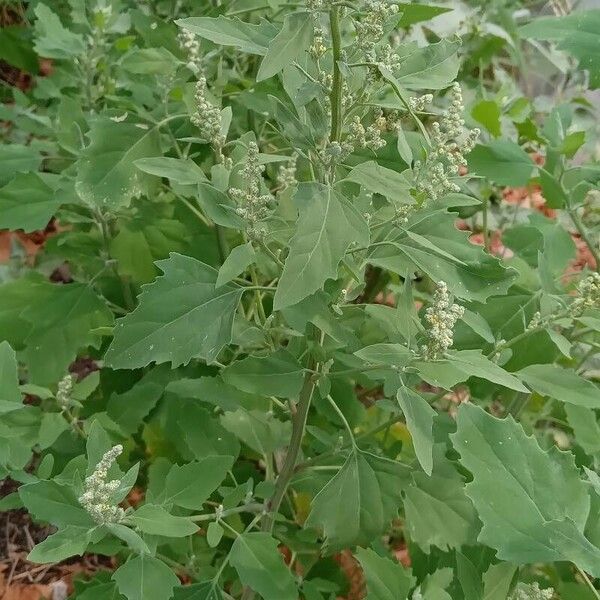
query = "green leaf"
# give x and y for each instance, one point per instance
(585, 427)
(260, 566)
(395, 355)
(145, 578)
(430, 242)
(129, 536)
(27, 203)
(288, 45)
(278, 374)
(52, 40)
(218, 206)
(214, 533)
(501, 161)
(577, 33)
(554, 193)
(129, 409)
(176, 170)
(206, 590)
(54, 503)
(326, 227)
(562, 384)
(371, 487)
(16, 158)
(263, 433)
(386, 579)
(434, 66)
(106, 173)
(52, 425)
(418, 12)
(10, 394)
(419, 420)
(190, 485)
(380, 180)
(67, 542)
(487, 113)
(539, 505)
(254, 39)
(497, 580)
(239, 259)
(155, 520)
(149, 61)
(182, 315)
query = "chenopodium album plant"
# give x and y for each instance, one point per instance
(318, 362)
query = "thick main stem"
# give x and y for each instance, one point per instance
(336, 88)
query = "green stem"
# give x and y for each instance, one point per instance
(341, 415)
(486, 236)
(336, 88)
(585, 236)
(250, 508)
(588, 582)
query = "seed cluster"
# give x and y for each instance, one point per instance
(65, 388)
(207, 117)
(532, 592)
(286, 176)
(98, 491)
(253, 206)
(441, 318)
(370, 29)
(190, 44)
(420, 103)
(589, 294)
(447, 155)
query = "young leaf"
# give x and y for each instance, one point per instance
(155, 520)
(16, 158)
(326, 227)
(380, 180)
(182, 315)
(502, 161)
(10, 394)
(260, 566)
(287, 45)
(207, 590)
(52, 39)
(67, 542)
(176, 170)
(145, 578)
(240, 258)
(386, 579)
(371, 487)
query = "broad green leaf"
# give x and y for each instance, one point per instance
(130, 408)
(446, 256)
(434, 66)
(263, 433)
(145, 578)
(288, 45)
(133, 540)
(539, 505)
(104, 591)
(395, 355)
(10, 394)
(562, 384)
(218, 206)
(260, 566)
(239, 259)
(190, 485)
(459, 365)
(182, 315)
(155, 520)
(177, 170)
(52, 425)
(487, 113)
(107, 177)
(469, 578)
(52, 39)
(501, 161)
(380, 180)
(67, 542)
(371, 487)
(254, 39)
(585, 427)
(554, 193)
(419, 419)
(577, 33)
(149, 61)
(438, 512)
(207, 590)
(278, 374)
(327, 225)
(497, 580)
(27, 203)
(54, 503)
(386, 579)
(214, 534)
(16, 158)
(418, 12)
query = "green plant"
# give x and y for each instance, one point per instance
(258, 253)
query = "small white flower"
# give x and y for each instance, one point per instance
(441, 317)
(589, 294)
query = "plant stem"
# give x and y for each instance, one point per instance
(585, 236)
(588, 582)
(486, 235)
(341, 415)
(336, 88)
(251, 508)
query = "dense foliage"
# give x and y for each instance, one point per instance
(319, 289)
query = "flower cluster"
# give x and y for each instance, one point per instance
(420, 103)
(365, 137)
(441, 317)
(286, 176)
(370, 29)
(190, 44)
(98, 492)
(253, 206)
(447, 155)
(589, 294)
(531, 592)
(207, 117)
(65, 388)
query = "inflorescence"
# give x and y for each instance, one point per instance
(589, 294)
(190, 44)
(441, 317)
(65, 388)
(532, 592)
(207, 117)
(97, 497)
